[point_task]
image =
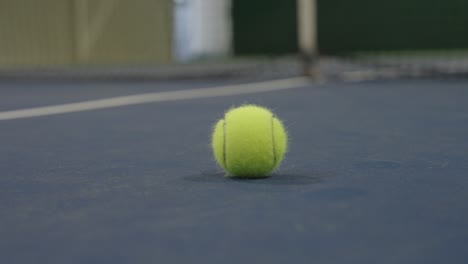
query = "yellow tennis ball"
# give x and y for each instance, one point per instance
(249, 142)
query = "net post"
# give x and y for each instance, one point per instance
(307, 34)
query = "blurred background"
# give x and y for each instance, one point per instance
(327, 39)
(107, 109)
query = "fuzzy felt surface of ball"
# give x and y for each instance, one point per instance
(249, 142)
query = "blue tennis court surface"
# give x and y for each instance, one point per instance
(377, 172)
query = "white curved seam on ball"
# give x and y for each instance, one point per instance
(273, 139)
(224, 143)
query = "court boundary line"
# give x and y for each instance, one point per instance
(178, 95)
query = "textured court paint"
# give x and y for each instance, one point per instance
(228, 90)
(249, 142)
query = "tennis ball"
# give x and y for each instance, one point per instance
(249, 142)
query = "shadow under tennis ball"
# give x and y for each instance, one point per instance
(274, 179)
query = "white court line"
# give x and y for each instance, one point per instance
(259, 87)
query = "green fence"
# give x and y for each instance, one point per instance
(269, 26)
(370, 25)
(264, 27)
